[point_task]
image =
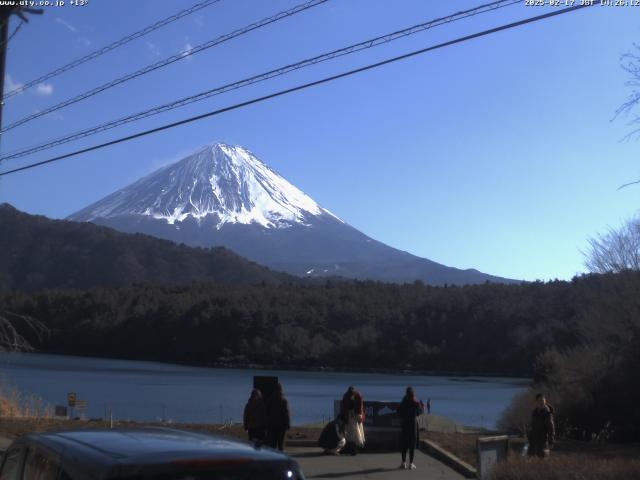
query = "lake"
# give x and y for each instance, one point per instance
(154, 391)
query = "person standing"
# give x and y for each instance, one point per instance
(352, 410)
(409, 410)
(278, 418)
(429, 406)
(542, 433)
(254, 419)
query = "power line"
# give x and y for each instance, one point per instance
(262, 77)
(15, 30)
(302, 87)
(168, 61)
(111, 46)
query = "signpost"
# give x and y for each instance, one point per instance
(382, 414)
(74, 402)
(377, 414)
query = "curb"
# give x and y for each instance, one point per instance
(448, 458)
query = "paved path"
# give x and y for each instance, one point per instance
(368, 465)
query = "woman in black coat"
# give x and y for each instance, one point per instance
(278, 418)
(254, 418)
(409, 410)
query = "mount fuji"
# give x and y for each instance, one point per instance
(223, 195)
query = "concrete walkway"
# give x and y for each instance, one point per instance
(4, 443)
(368, 465)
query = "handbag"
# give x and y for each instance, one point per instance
(360, 435)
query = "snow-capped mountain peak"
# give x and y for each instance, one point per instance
(219, 181)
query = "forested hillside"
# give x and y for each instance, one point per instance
(38, 253)
(358, 325)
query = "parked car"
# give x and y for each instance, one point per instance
(140, 454)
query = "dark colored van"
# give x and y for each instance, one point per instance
(140, 454)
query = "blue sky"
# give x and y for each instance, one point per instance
(497, 154)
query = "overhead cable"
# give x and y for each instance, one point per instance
(373, 42)
(108, 48)
(165, 62)
(300, 87)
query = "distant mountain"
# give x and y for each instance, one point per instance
(38, 253)
(224, 195)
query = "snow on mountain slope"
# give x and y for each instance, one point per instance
(223, 195)
(221, 181)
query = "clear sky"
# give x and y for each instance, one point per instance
(497, 154)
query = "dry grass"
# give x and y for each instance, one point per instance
(567, 467)
(16, 426)
(462, 445)
(14, 404)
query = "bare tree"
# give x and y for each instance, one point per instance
(11, 327)
(630, 63)
(615, 251)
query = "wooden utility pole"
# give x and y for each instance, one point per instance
(4, 38)
(5, 15)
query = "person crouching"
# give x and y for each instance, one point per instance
(332, 438)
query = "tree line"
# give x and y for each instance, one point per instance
(579, 340)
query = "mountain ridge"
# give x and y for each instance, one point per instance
(223, 195)
(39, 253)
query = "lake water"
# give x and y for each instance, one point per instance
(155, 391)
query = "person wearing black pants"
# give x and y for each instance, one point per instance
(277, 438)
(409, 410)
(278, 418)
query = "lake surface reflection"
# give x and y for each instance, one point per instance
(155, 391)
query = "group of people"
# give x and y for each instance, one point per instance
(267, 420)
(345, 434)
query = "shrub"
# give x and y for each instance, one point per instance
(567, 467)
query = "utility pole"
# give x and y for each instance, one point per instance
(5, 15)
(4, 38)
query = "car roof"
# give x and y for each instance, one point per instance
(104, 449)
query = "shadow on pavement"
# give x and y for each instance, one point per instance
(352, 473)
(309, 454)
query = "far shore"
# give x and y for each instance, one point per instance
(302, 368)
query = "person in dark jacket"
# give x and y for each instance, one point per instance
(332, 438)
(542, 433)
(352, 410)
(409, 410)
(254, 419)
(278, 418)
